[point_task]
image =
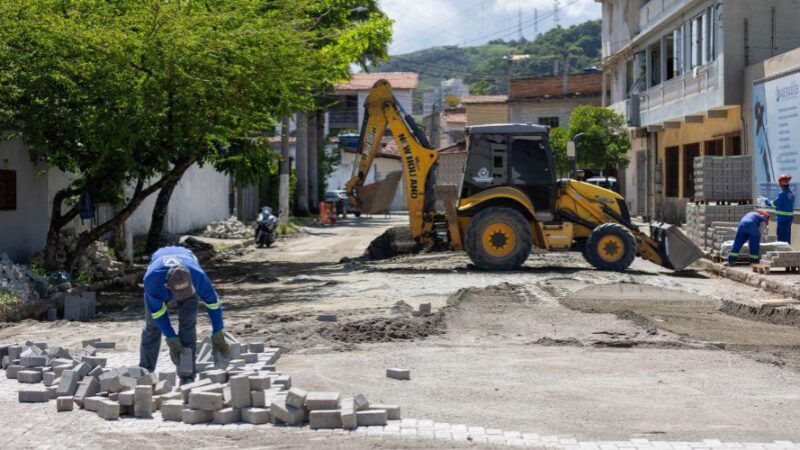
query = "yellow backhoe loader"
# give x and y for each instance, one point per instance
(509, 199)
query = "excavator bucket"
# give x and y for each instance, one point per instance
(377, 197)
(677, 251)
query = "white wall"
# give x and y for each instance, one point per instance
(404, 97)
(530, 111)
(344, 170)
(201, 197)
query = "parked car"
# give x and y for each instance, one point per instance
(342, 202)
(605, 182)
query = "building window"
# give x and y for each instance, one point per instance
(734, 146)
(551, 122)
(690, 152)
(8, 190)
(629, 78)
(696, 54)
(655, 65)
(672, 168)
(713, 148)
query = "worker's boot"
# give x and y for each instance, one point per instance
(731, 260)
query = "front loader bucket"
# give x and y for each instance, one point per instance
(377, 197)
(677, 250)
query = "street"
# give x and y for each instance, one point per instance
(552, 355)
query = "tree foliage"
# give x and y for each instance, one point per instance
(604, 140)
(132, 92)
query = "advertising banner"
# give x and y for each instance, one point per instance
(776, 132)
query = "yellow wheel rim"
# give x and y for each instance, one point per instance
(499, 239)
(611, 249)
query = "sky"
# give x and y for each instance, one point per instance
(421, 24)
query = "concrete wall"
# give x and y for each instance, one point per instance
(486, 113)
(201, 197)
(404, 97)
(524, 111)
(24, 230)
(382, 166)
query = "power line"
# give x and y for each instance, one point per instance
(556, 13)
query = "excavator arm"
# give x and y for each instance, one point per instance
(381, 112)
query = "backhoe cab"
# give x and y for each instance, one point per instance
(509, 199)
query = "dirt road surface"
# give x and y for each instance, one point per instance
(554, 349)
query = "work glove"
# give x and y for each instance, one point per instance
(175, 349)
(220, 345)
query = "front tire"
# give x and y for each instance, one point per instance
(611, 247)
(499, 239)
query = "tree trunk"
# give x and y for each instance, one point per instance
(301, 164)
(57, 222)
(160, 214)
(313, 145)
(139, 195)
(283, 188)
(322, 142)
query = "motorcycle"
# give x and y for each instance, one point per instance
(266, 227)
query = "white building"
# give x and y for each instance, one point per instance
(348, 114)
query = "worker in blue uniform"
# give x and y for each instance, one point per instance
(175, 276)
(750, 228)
(784, 209)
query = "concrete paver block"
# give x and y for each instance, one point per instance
(255, 416)
(110, 381)
(95, 372)
(59, 370)
(283, 413)
(260, 382)
(108, 410)
(49, 378)
(296, 397)
(12, 371)
(162, 387)
(316, 400)
(392, 411)
(29, 376)
(105, 345)
(398, 374)
(64, 404)
(34, 395)
(53, 392)
(206, 401)
(33, 361)
(68, 384)
(261, 399)
(93, 403)
(148, 379)
(172, 410)
(195, 416)
(186, 363)
(227, 416)
(256, 347)
(215, 375)
(371, 417)
(325, 419)
(425, 308)
(143, 401)
(88, 387)
(14, 352)
(283, 380)
(348, 414)
(361, 402)
(250, 358)
(94, 361)
(172, 377)
(126, 398)
(82, 369)
(239, 391)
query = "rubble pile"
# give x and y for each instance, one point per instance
(21, 281)
(230, 228)
(97, 263)
(244, 388)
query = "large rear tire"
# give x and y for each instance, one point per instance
(499, 239)
(611, 247)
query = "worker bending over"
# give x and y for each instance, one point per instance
(175, 275)
(750, 228)
(784, 209)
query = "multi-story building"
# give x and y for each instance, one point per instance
(675, 69)
(550, 100)
(348, 114)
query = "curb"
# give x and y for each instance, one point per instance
(774, 311)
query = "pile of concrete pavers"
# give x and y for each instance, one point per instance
(701, 218)
(718, 178)
(248, 389)
(781, 259)
(766, 248)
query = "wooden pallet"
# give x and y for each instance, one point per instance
(766, 269)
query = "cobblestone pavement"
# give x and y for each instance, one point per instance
(40, 426)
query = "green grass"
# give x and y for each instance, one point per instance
(38, 270)
(8, 297)
(83, 279)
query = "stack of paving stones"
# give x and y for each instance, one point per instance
(247, 389)
(718, 178)
(781, 259)
(700, 218)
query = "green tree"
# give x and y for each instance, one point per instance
(603, 143)
(133, 92)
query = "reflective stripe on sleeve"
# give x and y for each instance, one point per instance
(211, 306)
(160, 312)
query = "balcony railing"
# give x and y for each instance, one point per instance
(343, 117)
(698, 80)
(655, 10)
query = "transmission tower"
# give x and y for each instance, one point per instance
(536, 22)
(519, 24)
(556, 13)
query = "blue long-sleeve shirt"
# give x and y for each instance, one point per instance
(157, 295)
(784, 205)
(751, 223)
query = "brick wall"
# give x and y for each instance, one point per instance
(588, 84)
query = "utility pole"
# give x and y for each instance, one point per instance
(536, 22)
(301, 163)
(556, 13)
(519, 24)
(313, 146)
(283, 187)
